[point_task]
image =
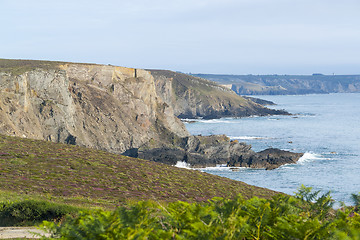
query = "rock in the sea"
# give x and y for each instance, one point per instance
(210, 151)
(270, 158)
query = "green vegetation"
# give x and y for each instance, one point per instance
(17, 67)
(282, 217)
(20, 66)
(33, 212)
(33, 169)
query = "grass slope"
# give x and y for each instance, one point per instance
(85, 177)
(20, 66)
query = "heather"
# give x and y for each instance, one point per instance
(41, 170)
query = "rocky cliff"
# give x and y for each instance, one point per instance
(97, 106)
(121, 110)
(287, 84)
(194, 97)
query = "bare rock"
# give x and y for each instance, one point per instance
(97, 106)
(210, 151)
(195, 97)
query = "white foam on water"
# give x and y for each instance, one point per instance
(309, 157)
(190, 119)
(216, 121)
(287, 166)
(181, 164)
(247, 138)
(223, 120)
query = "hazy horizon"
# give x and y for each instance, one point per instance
(299, 37)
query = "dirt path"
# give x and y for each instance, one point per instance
(20, 232)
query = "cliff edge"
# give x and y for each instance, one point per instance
(98, 106)
(195, 97)
(120, 110)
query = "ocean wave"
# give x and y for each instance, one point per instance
(247, 138)
(181, 164)
(309, 157)
(217, 121)
(287, 166)
(220, 120)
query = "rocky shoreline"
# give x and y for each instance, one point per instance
(211, 151)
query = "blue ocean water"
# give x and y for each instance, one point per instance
(326, 127)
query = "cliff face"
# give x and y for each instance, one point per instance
(122, 110)
(103, 107)
(193, 97)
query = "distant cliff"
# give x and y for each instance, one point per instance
(194, 97)
(287, 84)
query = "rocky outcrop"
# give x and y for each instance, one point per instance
(121, 110)
(260, 101)
(194, 97)
(210, 151)
(97, 106)
(287, 84)
(270, 158)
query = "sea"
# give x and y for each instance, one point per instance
(325, 127)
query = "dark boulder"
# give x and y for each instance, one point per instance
(270, 158)
(210, 151)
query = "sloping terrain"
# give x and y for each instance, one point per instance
(82, 176)
(194, 97)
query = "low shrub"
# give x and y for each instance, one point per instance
(32, 212)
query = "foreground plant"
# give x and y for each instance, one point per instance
(305, 216)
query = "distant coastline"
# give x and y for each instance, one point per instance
(286, 84)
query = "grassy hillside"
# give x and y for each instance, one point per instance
(19, 66)
(84, 177)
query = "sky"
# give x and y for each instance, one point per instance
(192, 36)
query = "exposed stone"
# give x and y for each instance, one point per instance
(124, 110)
(194, 97)
(210, 151)
(97, 106)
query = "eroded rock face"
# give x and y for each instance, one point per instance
(210, 151)
(103, 107)
(194, 97)
(123, 110)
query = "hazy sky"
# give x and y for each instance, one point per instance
(198, 36)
